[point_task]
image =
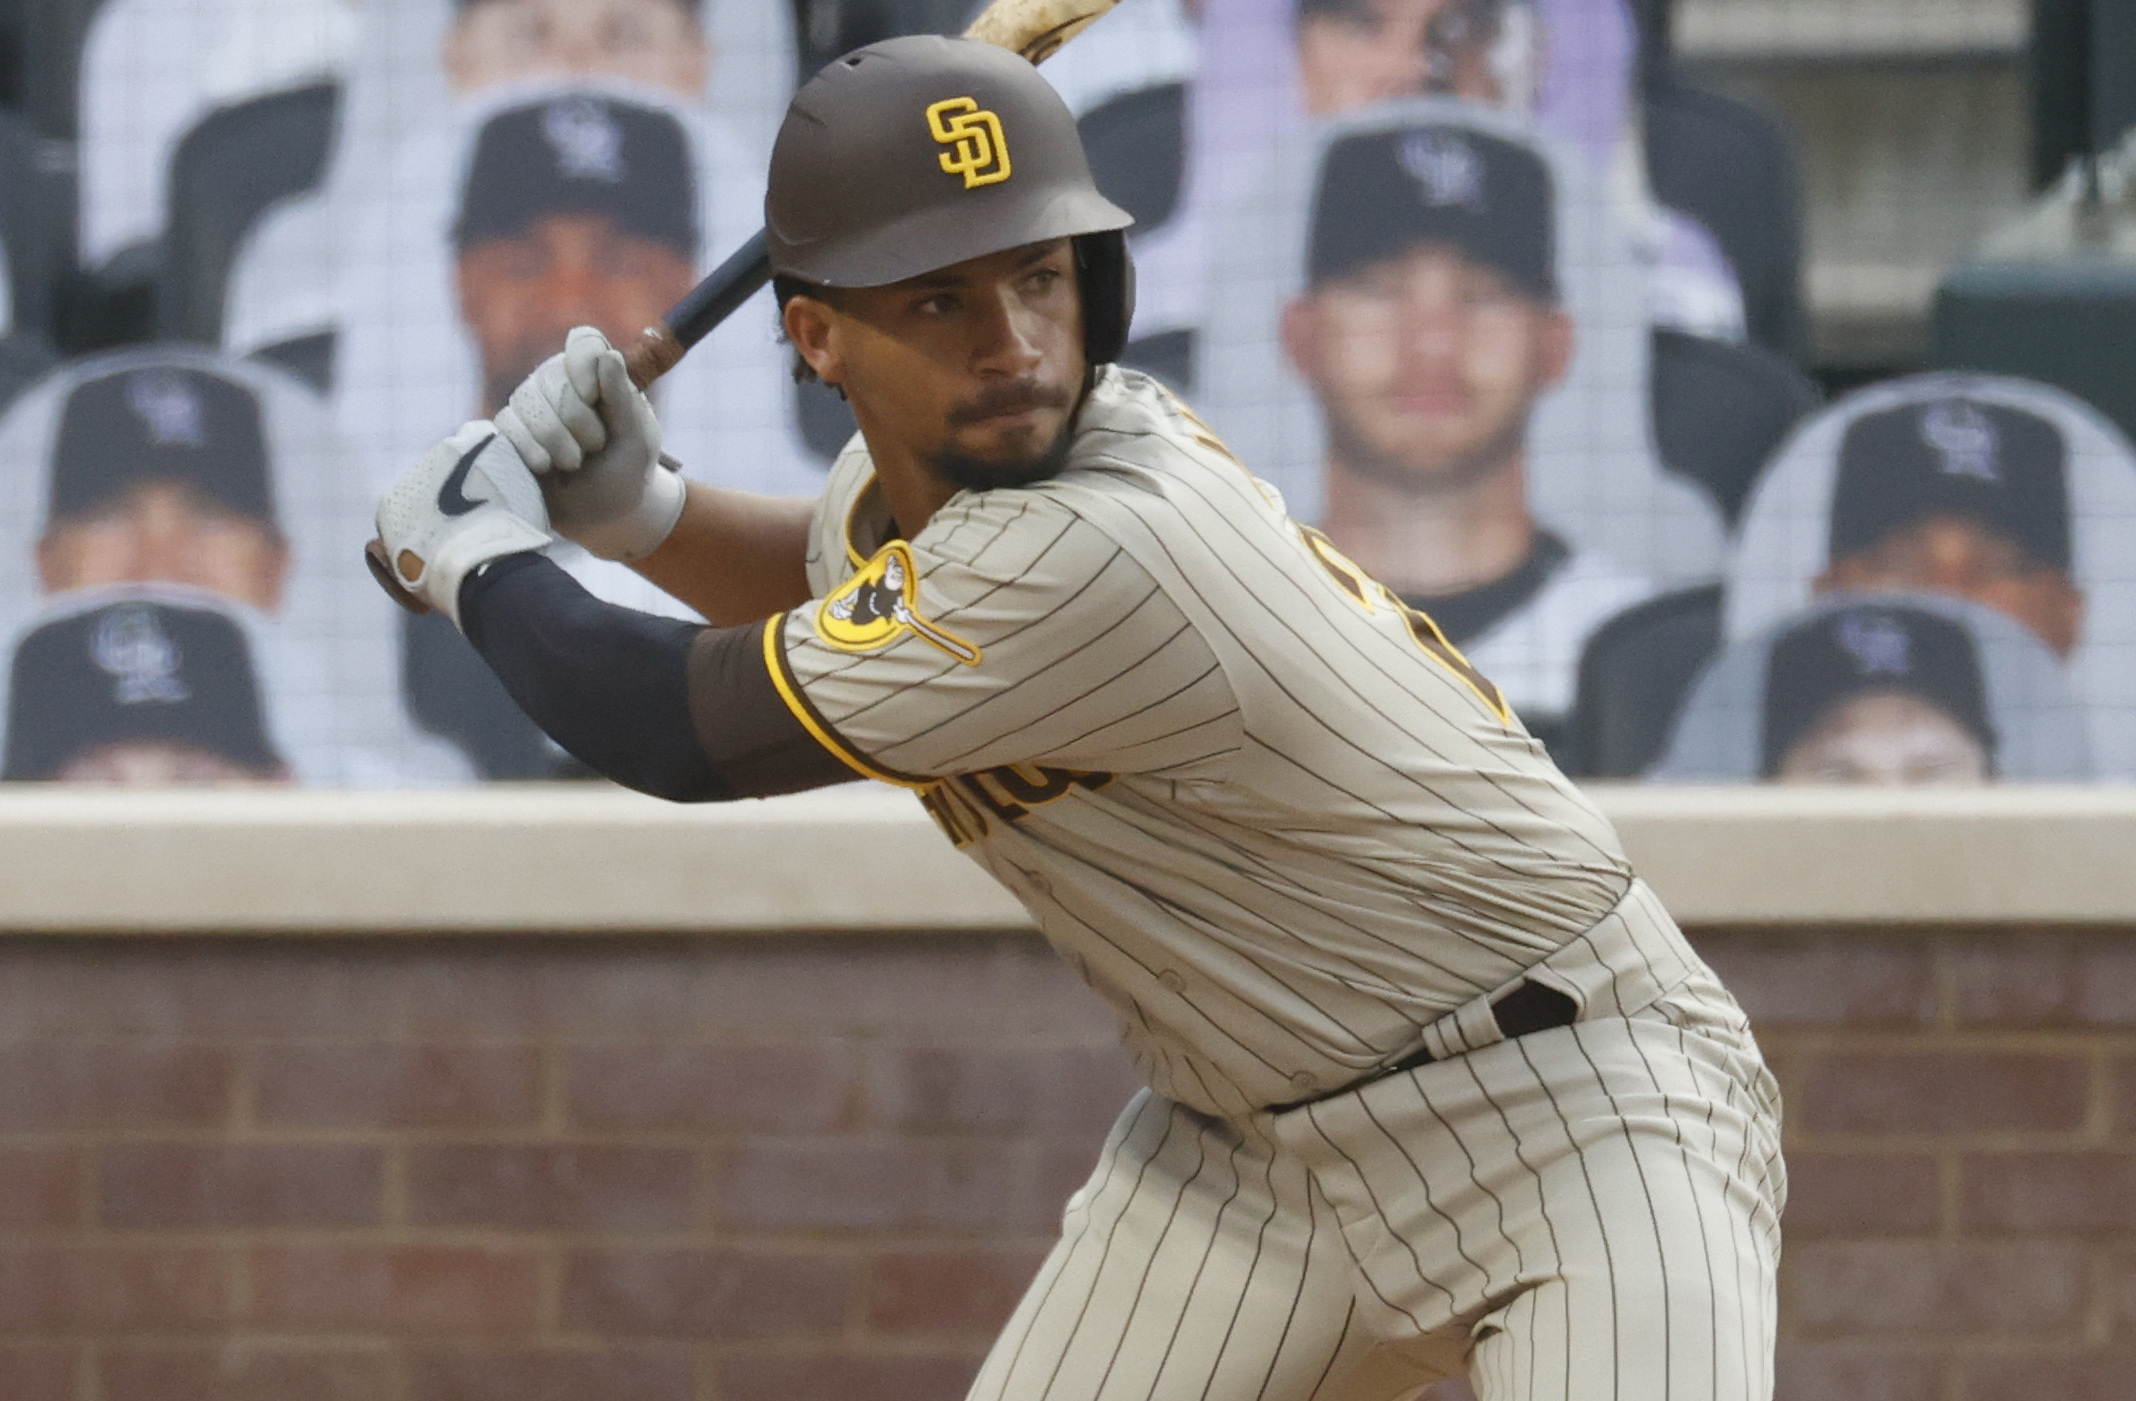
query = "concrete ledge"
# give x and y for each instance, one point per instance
(570, 860)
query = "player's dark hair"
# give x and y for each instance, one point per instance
(783, 290)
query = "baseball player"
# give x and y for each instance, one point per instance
(1435, 1084)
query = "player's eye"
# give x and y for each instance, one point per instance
(520, 263)
(1484, 293)
(940, 304)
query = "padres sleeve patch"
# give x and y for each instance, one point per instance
(880, 604)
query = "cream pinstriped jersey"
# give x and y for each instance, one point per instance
(1267, 814)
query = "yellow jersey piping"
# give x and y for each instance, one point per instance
(789, 689)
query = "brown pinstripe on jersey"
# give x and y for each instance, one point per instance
(1264, 809)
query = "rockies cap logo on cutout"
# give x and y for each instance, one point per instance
(1877, 642)
(880, 604)
(586, 139)
(169, 408)
(978, 150)
(1833, 657)
(1446, 167)
(1385, 191)
(1961, 435)
(131, 647)
(2001, 467)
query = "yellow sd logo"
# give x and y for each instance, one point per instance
(879, 605)
(977, 151)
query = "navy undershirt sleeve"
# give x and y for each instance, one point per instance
(674, 709)
(608, 684)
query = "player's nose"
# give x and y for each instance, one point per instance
(1009, 339)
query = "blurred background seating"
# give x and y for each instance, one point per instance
(1879, 188)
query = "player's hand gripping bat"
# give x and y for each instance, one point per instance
(1034, 28)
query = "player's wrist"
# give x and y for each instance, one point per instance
(470, 500)
(645, 526)
(460, 556)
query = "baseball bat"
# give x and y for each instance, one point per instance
(1035, 29)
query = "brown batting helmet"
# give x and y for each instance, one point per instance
(919, 152)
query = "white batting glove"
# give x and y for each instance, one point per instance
(592, 437)
(469, 501)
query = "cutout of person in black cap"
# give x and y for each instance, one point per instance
(1353, 53)
(660, 43)
(160, 475)
(1961, 497)
(1878, 693)
(138, 692)
(580, 210)
(1429, 329)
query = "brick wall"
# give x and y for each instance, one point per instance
(785, 1169)
(1962, 1147)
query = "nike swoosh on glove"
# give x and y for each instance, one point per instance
(592, 438)
(469, 501)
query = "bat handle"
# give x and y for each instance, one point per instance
(657, 351)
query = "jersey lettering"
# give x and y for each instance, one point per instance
(1201, 432)
(960, 805)
(1367, 591)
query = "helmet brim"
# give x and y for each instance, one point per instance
(928, 240)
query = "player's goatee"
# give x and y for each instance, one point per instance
(972, 472)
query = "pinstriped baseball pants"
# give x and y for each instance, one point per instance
(1587, 1212)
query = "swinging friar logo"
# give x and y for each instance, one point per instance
(131, 647)
(1961, 435)
(880, 604)
(1879, 645)
(1445, 167)
(169, 408)
(586, 139)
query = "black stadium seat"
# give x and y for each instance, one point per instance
(232, 167)
(12, 42)
(452, 694)
(36, 223)
(1138, 151)
(1635, 672)
(829, 28)
(23, 361)
(53, 33)
(310, 358)
(1719, 411)
(1733, 168)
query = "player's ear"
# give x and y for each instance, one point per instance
(813, 329)
(1301, 337)
(460, 68)
(51, 565)
(274, 575)
(703, 57)
(1556, 349)
(460, 281)
(2066, 609)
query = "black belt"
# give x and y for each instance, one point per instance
(1529, 1007)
